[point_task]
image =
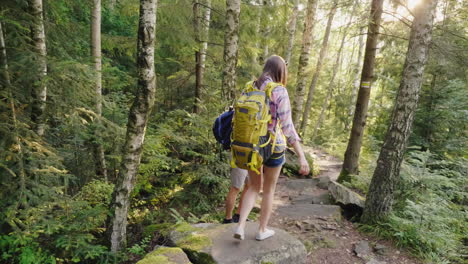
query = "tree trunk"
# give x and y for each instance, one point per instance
(292, 31)
(265, 30)
(357, 67)
(331, 85)
(39, 88)
(304, 60)
(380, 196)
(96, 53)
(201, 28)
(231, 40)
(318, 68)
(136, 126)
(351, 159)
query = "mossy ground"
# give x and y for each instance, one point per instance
(194, 242)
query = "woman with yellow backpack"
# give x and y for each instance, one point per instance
(261, 128)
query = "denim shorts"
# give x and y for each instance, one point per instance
(275, 160)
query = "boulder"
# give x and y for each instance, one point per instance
(215, 244)
(166, 255)
(344, 195)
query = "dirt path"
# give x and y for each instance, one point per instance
(304, 209)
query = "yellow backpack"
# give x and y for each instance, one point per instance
(250, 128)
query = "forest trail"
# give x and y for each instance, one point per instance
(303, 208)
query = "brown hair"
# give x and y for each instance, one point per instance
(275, 67)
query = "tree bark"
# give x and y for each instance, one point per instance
(96, 53)
(381, 190)
(201, 27)
(318, 68)
(351, 159)
(231, 40)
(136, 126)
(357, 67)
(292, 31)
(39, 88)
(304, 61)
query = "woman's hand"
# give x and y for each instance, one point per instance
(305, 169)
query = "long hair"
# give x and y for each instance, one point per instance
(275, 67)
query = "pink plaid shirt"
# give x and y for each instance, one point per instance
(280, 108)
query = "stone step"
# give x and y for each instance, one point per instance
(303, 211)
(301, 185)
(322, 197)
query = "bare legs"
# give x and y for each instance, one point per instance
(270, 178)
(231, 199)
(269, 186)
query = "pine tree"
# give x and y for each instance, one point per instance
(351, 158)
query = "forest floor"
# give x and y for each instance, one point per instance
(304, 209)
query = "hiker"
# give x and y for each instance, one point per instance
(239, 178)
(281, 129)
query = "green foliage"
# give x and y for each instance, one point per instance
(430, 211)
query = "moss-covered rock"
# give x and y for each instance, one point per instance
(213, 243)
(166, 255)
(291, 167)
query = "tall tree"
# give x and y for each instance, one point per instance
(136, 126)
(304, 60)
(96, 53)
(201, 23)
(351, 158)
(231, 46)
(39, 88)
(292, 30)
(357, 67)
(201, 27)
(318, 68)
(331, 85)
(380, 196)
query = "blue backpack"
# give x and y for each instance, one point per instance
(222, 128)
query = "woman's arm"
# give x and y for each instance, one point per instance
(305, 169)
(284, 114)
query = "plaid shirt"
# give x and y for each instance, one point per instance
(280, 108)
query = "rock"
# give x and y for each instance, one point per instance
(351, 202)
(166, 255)
(381, 249)
(215, 244)
(302, 211)
(362, 249)
(374, 261)
(323, 183)
(344, 195)
(291, 167)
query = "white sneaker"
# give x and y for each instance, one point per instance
(264, 235)
(239, 233)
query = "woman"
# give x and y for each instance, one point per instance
(274, 71)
